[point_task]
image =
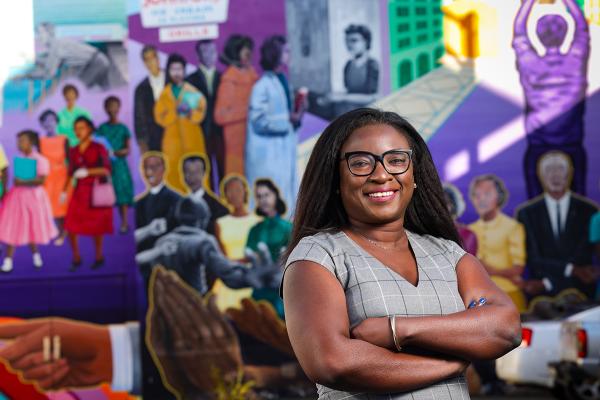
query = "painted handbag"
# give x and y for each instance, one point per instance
(103, 193)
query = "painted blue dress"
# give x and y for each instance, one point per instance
(271, 139)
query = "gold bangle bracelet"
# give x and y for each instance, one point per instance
(393, 326)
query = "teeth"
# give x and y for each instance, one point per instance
(381, 194)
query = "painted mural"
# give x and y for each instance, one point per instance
(151, 152)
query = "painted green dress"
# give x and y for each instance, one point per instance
(66, 119)
(117, 135)
(275, 233)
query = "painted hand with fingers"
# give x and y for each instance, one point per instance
(189, 336)
(264, 273)
(58, 353)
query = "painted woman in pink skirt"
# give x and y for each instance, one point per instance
(26, 215)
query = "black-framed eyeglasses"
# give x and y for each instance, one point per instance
(363, 163)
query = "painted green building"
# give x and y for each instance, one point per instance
(416, 39)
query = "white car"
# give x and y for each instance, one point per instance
(540, 345)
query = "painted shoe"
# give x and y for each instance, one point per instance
(7, 265)
(37, 260)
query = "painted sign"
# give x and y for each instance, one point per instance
(186, 33)
(159, 13)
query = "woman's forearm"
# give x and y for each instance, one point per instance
(360, 366)
(485, 332)
(98, 171)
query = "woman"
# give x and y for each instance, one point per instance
(233, 95)
(270, 133)
(88, 162)
(273, 231)
(232, 232)
(500, 238)
(26, 215)
(118, 136)
(377, 251)
(56, 149)
(179, 110)
(68, 115)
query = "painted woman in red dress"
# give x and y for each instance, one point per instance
(87, 161)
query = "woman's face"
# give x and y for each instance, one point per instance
(49, 123)
(356, 44)
(266, 200)
(24, 144)
(82, 130)
(485, 197)
(245, 56)
(235, 193)
(70, 96)
(285, 54)
(380, 197)
(112, 109)
(177, 73)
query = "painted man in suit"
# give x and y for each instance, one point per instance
(194, 170)
(154, 209)
(147, 131)
(559, 254)
(206, 79)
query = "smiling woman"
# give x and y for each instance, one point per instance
(389, 283)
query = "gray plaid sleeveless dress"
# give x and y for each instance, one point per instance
(374, 290)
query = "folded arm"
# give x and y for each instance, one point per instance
(318, 328)
(486, 332)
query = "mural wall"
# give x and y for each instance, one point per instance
(151, 153)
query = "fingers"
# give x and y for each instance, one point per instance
(265, 254)
(43, 371)
(224, 329)
(28, 361)
(12, 330)
(28, 343)
(57, 375)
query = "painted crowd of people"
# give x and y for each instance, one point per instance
(549, 244)
(55, 180)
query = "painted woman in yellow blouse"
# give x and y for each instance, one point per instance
(179, 110)
(500, 239)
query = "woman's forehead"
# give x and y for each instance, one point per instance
(376, 138)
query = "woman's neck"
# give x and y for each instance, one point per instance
(84, 144)
(240, 211)
(113, 120)
(490, 215)
(391, 233)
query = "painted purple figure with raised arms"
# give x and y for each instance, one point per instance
(554, 85)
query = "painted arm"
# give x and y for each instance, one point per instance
(486, 332)
(228, 108)
(197, 114)
(520, 26)
(165, 112)
(140, 116)
(318, 328)
(265, 122)
(575, 11)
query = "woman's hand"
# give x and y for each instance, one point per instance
(81, 173)
(376, 331)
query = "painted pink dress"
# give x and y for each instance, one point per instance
(26, 215)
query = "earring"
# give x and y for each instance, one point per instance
(415, 185)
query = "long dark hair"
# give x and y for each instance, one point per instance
(319, 206)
